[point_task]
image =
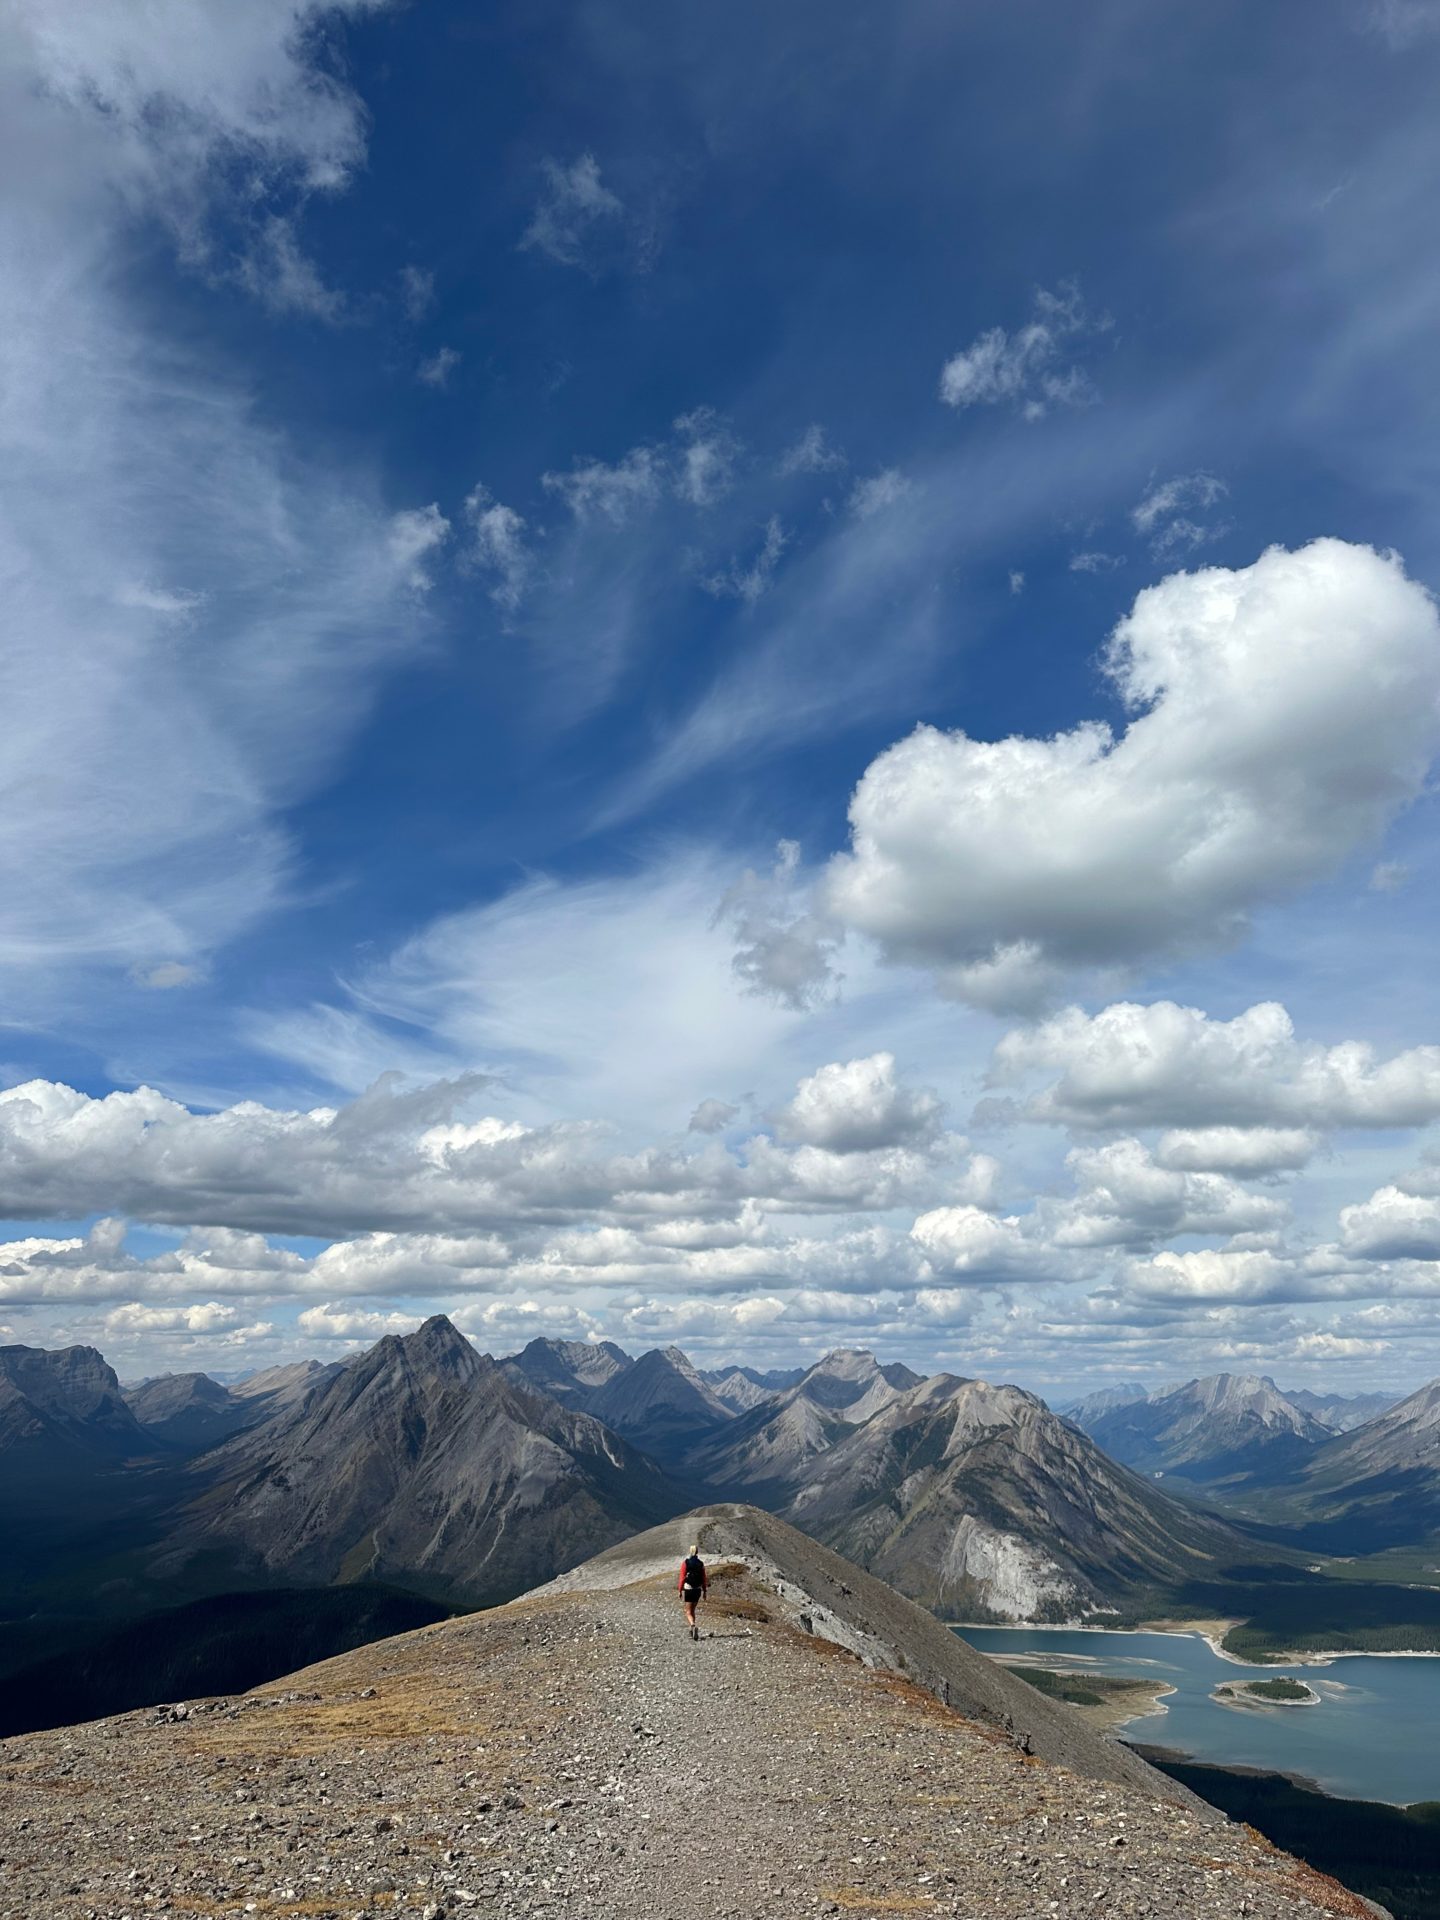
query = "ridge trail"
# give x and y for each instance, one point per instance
(574, 1754)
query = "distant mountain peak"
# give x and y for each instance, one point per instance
(438, 1343)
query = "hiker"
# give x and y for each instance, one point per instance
(693, 1585)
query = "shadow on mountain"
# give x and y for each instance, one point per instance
(1389, 1854)
(226, 1644)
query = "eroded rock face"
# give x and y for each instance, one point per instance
(1010, 1578)
(63, 1408)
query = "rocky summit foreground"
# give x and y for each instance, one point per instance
(574, 1754)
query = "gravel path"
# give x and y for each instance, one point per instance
(576, 1755)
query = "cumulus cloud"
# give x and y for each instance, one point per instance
(1172, 1066)
(401, 1158)
(339, 1322)
(210, 1316)
(574, 213)
(855, 1105)
(1392, 1225)
(1248, 1151)
(985, 1249)
(1026, 369)
(712, 1116)
(1125, 1199)
(1284, 713)
(784, 950)
(499, 548)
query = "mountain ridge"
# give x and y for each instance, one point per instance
(824, 1745)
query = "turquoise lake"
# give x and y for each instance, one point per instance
(1375, 1736)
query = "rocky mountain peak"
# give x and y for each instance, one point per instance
(438, 1346)
(64, 1406)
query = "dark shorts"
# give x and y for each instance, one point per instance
(690, 1595)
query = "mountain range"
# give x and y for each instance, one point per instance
(1225, 1433)
(426, 1464)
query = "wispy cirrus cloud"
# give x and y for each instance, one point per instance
(132, 460)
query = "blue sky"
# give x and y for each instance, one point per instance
(705, 674)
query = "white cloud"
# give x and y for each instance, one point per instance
(747, 583)
(1095, 562)
(712, 1116)
(705, 469)
(1392, 1225)
(1017, 581)
(1025, 368)
(983, 1249)
(398, 1159)
(1247, 1151)
(163, 840)
(498, 547)
(855, 1105)
(1124, 1199)
(211, 1316)
(412, 536)
(1333, 1346)
(573, 212)
(435, 371)
(812, 453)
(1284, 713)
(1171, 1066)
(880, 492)
(1166, 516)
(417, 293)
(612, 492)
(177, 602)
(783, 949)
(339, 1322)
(279, 273)
(1214, 1273)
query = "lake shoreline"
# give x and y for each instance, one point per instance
(1319, 1657)
(1240, 1700)
(1374, 1743)
(1156, 1755)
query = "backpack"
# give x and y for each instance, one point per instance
(694, 1570)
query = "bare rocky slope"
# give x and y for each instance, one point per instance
(419, 1461)
(1376, 1486)
(574, 1754)
(973, 1498)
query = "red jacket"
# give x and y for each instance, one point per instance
(704, 1576)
